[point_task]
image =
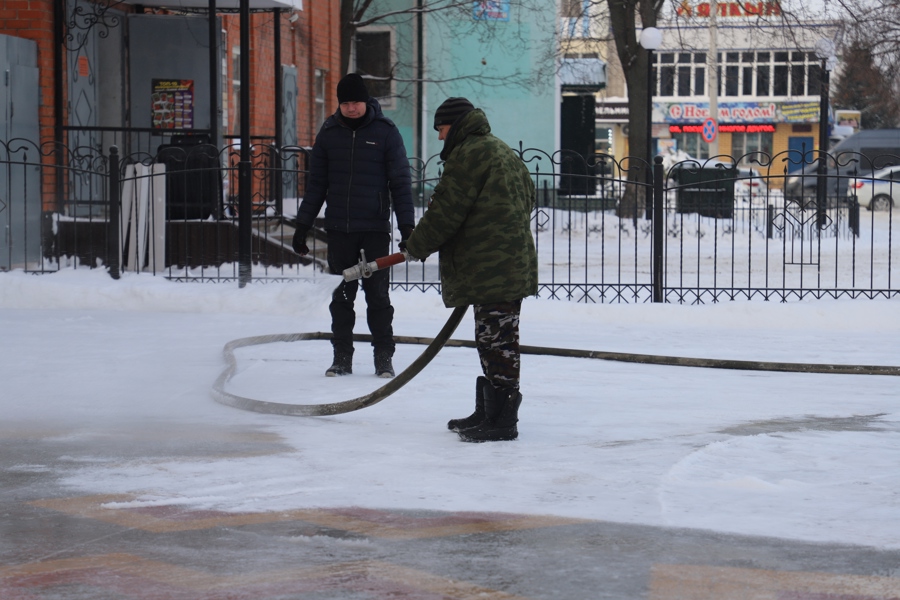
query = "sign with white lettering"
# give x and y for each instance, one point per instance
(740, 112)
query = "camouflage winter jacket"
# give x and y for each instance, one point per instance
(479, 218)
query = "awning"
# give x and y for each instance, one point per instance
(584, 75)
(220, 4)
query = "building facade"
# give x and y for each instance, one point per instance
(497, 54)
(769, 84)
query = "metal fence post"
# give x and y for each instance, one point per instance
(854, 217)
(112, 226)
(770, 221)
(659, 228)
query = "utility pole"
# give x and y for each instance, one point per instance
(712, 61)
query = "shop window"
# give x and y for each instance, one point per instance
(692, 144)
(745, 143)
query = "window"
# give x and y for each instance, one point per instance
(762, 81)
(747, 81)
(236, 89)
(570, 9)
(374, 52)
(682, 74)
(693, 144)
(320, 97)
(731, 80)
(780, 82)
(798, 80)
(667, 81)
(684, 81)
(745, 143)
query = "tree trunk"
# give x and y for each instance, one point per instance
(635, 65)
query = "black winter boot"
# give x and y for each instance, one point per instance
(501, 408)
(384, 367)
(343, 364)
(476, 417)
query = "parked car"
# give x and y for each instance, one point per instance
(859, 154)
(750, 186)
(878, 191)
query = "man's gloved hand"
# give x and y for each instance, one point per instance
(298, 243)
(405, 232)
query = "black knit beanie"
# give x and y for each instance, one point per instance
(451, 110)
(352, 88)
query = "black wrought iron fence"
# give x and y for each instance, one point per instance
(606, 231)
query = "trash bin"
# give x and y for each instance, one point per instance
(193, 180)
(707, 191)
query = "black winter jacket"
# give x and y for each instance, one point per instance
(359, 174)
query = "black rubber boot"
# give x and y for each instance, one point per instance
(501, 408)
(384, 367)
(342, 365)
(476, 417)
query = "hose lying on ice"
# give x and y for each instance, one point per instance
(443, 339)
(318, 410)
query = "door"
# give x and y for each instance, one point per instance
(20, 171)
(797, 147)
(289, 134)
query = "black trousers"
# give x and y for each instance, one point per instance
(343, 252)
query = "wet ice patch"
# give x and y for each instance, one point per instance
(842, 486)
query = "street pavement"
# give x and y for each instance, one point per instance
(55, 544)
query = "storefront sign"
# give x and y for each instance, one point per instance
(730, 9)
(734, 128)
(172, 103)
(611, 111)
(739, 112)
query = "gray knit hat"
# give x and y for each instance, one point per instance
(451, 110)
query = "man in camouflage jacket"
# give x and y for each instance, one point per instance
(479, 219)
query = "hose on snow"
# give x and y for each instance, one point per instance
(443, 339)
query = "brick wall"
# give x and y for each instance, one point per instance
(309, 43)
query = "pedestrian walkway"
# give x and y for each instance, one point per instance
(63, 546)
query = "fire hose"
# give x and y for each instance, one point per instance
(365, 269)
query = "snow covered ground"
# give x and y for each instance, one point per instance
(798, 456)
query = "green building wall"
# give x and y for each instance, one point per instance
(506, 68)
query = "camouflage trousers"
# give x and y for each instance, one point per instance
(497, 341)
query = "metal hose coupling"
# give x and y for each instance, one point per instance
(364, 269)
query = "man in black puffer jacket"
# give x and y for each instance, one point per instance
(359, 170)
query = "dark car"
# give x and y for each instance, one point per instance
(860, 154)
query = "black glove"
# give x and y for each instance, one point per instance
(405, 232)
(298, 243)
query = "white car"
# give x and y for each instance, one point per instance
(750, 186)
(878, 191)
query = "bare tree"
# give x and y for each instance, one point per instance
(359, 14)
(863, 85)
